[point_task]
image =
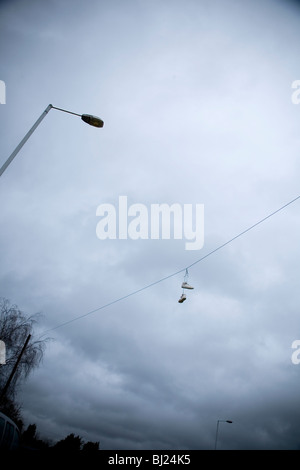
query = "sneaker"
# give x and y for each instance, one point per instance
(182, 298)
(185, 285)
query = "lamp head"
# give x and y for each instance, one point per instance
(92, 120)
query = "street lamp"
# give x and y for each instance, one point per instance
(220, 421)
(88, 118)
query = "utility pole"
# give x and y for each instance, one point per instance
(3, 392)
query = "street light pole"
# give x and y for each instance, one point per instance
(88, 118)
(220, 421)
(18, 148)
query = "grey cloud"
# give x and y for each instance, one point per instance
(196, 100)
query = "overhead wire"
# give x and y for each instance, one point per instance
(173, 274)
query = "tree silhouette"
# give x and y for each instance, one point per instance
(15, 328)
(30, 439)
(90, 446)
(71, 442)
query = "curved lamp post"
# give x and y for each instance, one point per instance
(88, 118)
(220, 421)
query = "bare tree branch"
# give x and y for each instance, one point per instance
(15, 327)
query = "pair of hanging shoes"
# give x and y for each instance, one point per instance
(184, 285)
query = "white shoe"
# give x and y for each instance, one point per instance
(182, 298)
(185, 285)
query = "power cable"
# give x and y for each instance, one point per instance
(175, 273)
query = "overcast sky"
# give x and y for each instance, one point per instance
(196, 100)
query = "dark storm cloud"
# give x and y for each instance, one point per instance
(196, 100)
